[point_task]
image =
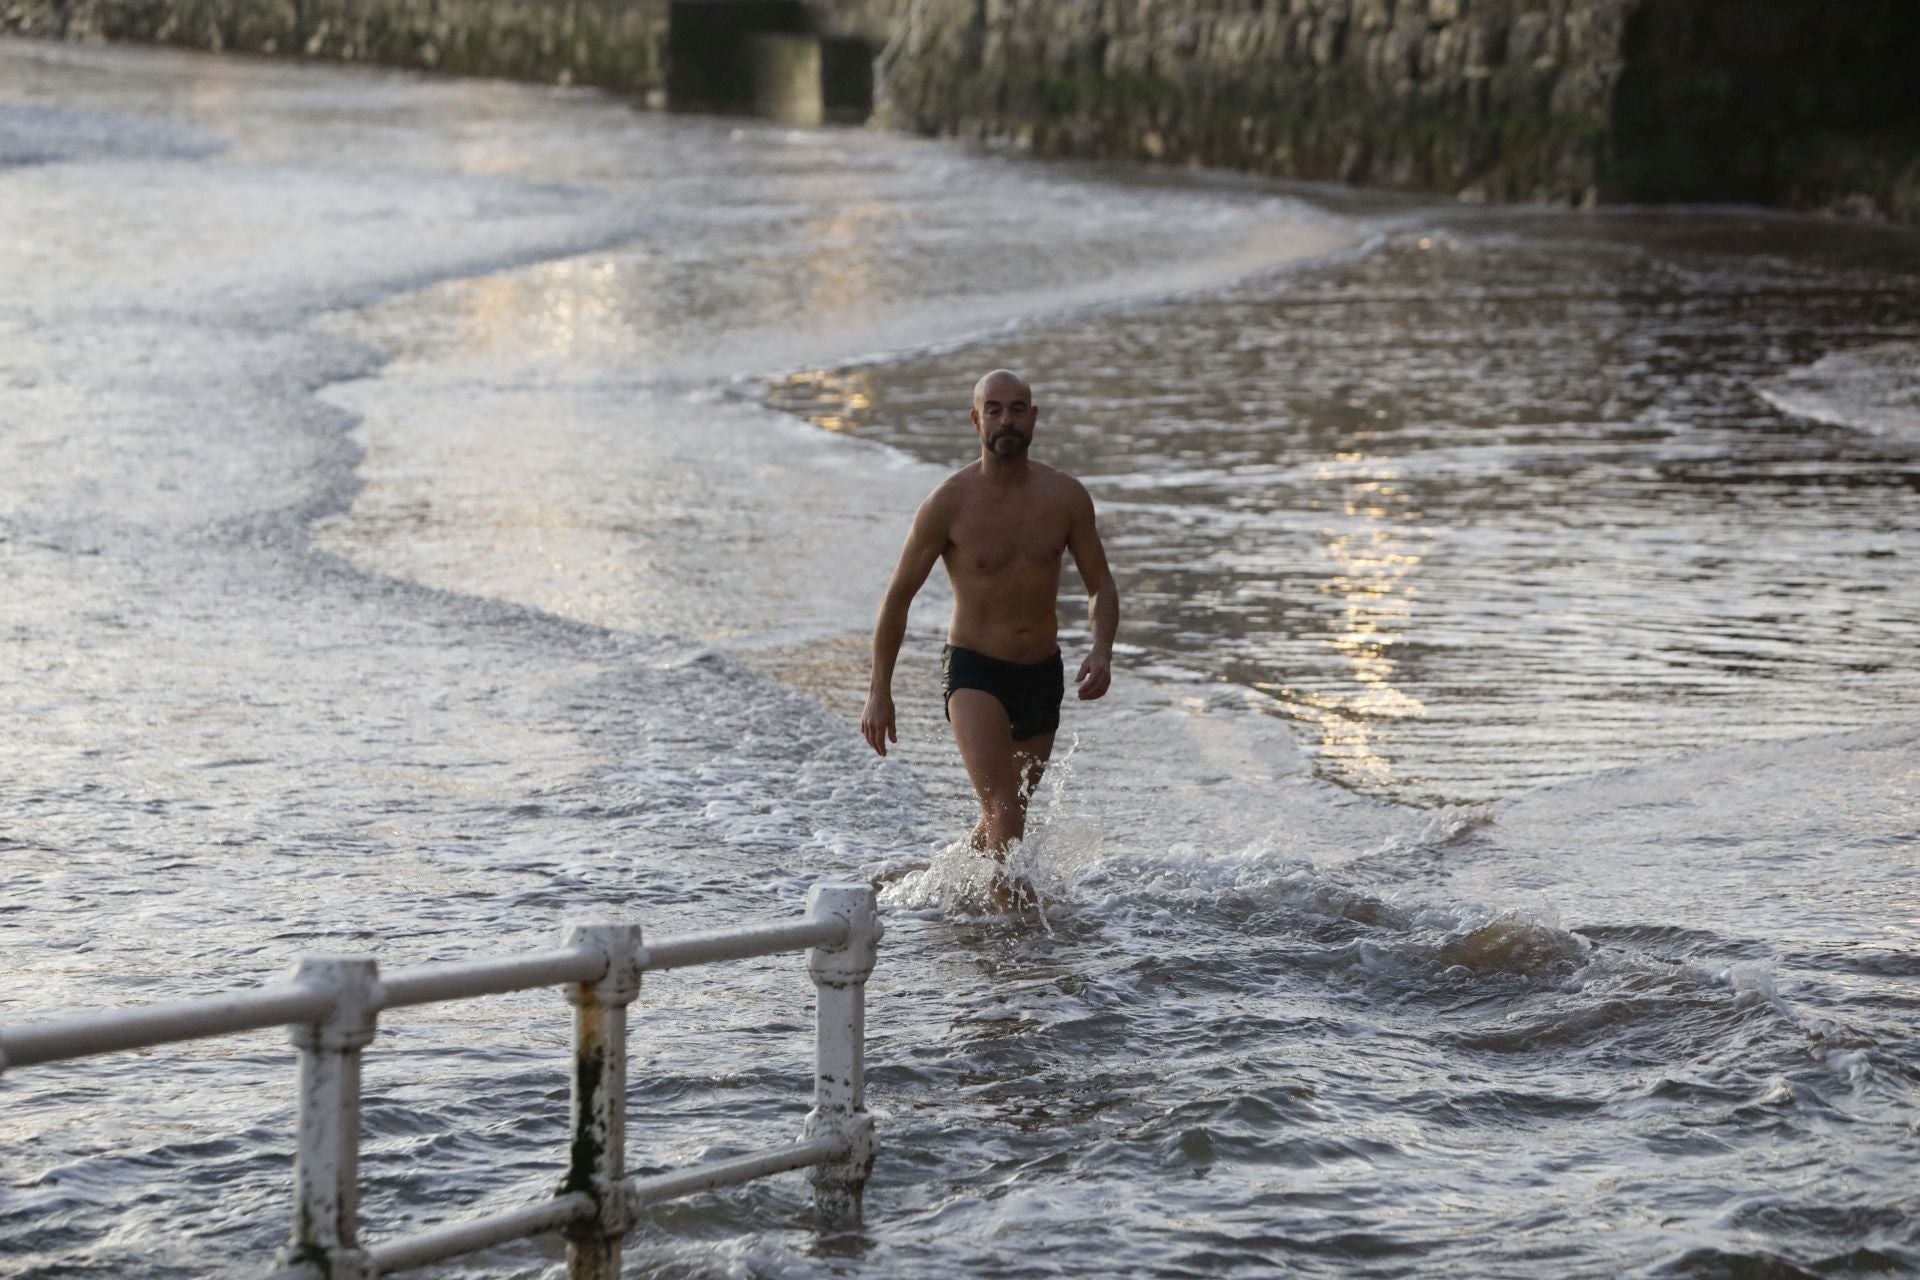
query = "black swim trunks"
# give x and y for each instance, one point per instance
(1030, 691)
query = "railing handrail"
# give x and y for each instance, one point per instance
(714, 945)
(469, 979)
(88, 1035)
(289, 1003)
(331, 1004)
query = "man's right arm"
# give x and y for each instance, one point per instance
(925, 542)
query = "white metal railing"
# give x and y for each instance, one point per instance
(331, 1004)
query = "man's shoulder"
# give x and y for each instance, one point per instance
(949, 495)
(1047, 484)
(956, 486)
(1058, 477)
(1060, 486)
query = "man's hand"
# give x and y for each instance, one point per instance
(1096, 673)
(876, 722)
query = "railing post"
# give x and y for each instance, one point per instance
(598, 1161)
(839, 1074)
(326, 1168)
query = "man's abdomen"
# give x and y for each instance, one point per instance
(1009, 613)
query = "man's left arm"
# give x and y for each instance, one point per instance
(1103, 598)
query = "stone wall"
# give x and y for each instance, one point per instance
(1494, 99)
(618, 44)
(1809, 103)
(1804, 102)
(722, 55)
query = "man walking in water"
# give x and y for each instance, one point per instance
(1000, 525)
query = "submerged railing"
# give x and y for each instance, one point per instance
(331, 1004)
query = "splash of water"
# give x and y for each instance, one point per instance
(1064, 838)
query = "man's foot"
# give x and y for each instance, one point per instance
(1012, 893)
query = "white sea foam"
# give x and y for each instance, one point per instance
(1874, 389)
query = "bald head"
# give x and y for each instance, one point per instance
(1004, 414)
(1002, 385)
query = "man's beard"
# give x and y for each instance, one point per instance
(1009, 444)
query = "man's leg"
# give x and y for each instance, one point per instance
(1004, 774)
(1030, 762)
(985, 736)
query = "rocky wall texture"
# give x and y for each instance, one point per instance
(1495, 99)
(617, 44)
(1805, 102)
(1808, 103)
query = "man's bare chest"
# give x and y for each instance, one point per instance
(994, 540)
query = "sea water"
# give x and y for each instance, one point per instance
(432, 509)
